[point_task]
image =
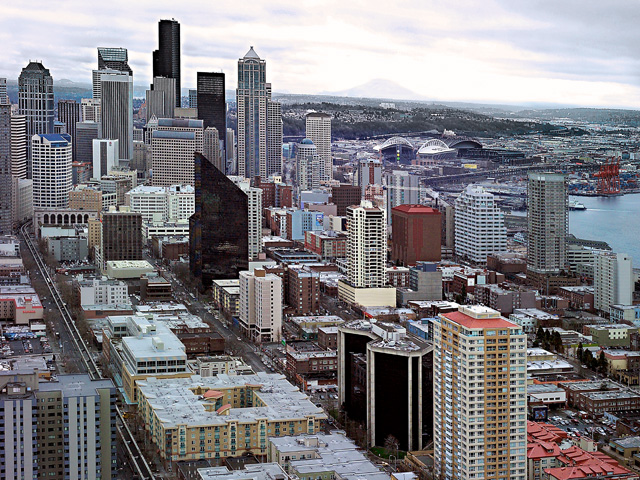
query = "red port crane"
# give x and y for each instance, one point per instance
(609, 177)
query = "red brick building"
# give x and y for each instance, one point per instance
(416, 234)
(303, 290)
(344, 196)
(328, 244)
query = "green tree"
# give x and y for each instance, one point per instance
(587, 358)
(580, 351)
(540, 333)
(602, 363)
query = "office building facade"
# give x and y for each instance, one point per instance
(211, 148)
(35, 102)
(6, 200)
(261, 306)
(166, 60)
(69, 114)
(479, 396)
(210, 98)
(274, 135)
(479, 225)
(318, 130)
(548, 224)
(402, 188)
(52, 172)
(86, 133)
(416, 234)
(218, 230)
(121, 235)
(19, 146)
(612, 280)
(173, 145)
(105, 156)
(309, 166)
(161, 97)
(116, 111)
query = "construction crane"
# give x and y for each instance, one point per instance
(609, 177)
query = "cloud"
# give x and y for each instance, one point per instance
(572, 52)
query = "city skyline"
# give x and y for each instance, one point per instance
(523, 54)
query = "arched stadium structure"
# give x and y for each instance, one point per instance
(433, 151)
(396, 150)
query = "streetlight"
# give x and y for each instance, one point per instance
(394, 462)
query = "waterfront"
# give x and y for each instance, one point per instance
(615, 220)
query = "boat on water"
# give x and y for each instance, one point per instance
(575, 205)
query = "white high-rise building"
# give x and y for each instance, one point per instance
(230, 146)
(309, 166)
(116, 110)
(366, 246)
(479, 396)
(260, 311)
(318, 130)
(211, 147)
(18, 146)
(173, 145)
(369, 173)
(162, 204)
(105, 156)
(52, 173)
(612, 280)
(6, 201)
(90, 110)
(254, 205)
(479, 225)
(548, 223)
(22, 195)
(402, 188)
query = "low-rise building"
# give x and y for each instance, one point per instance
(101, 290)
(530, 318)
(20, 304)
(211, 366)
(226, 295)
(625, 313)
(155, 288)
(228, 414)
(613, 335)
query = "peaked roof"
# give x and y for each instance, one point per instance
(252, 54)
(35, 66)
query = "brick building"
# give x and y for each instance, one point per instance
(416, 234)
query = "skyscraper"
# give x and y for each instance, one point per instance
(218, 230)
(52, 173)
(612, 280)
(479, 396)
(6, 205)
(166, 60)
(212, 109)
(35, 102)
(318, 130)
(548, 225)
(369, 173)
(402, 189)
(121, 235)
(274, 135)
(173, 145)
(309, 166)
(86, 133)
(3, 92)
(116, 111)
(69, 114)
(230, 151)
(252, 98)
(416, 234)
(479, 225)
(160, 98)
(193, 98)
(366, 246)
(105, 156)
(110, 60)
(19, 146)
(211, 148)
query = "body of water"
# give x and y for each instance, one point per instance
(615, 220)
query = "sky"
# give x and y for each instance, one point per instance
(565, 52)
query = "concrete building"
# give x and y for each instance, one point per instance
(86, 133)
(425, 284)
(254, 209)
(84, 197)
(303, 289)
(69, 114)
(40, 442)
(51, 170)
(35, 102)
(402, 188)
(121, 235)
(106, 156)
(20, 305)
(309, 166)
(613, 280)
(110, 60)
(366, 258)
(374, 359)
(101, 291)
(230, 148)
(211, 148)
(261, 306)
(369, 173)
(480, 423)
(116, 111)
(90, 109)
(6, 199)
(318, 130)
(227, 406)
(416, 234)
(548, 223)
(162, 204)
(479, 225)
(173, 145)
(19, 146)
(274, 135)
(161, 98)
(68, 248)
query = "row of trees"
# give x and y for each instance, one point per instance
(597, 363)
(548, 340)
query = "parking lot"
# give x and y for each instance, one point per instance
(600, 430)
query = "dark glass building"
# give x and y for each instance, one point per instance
(219, 228)
(166, 60)
(69, 114)
(212, 109)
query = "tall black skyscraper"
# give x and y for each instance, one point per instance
(219, 228)
(212, 109)
(69, 114)
(166, 60)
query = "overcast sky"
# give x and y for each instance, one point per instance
(495, 51)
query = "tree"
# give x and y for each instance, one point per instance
(587, 358)
(391, 445)
(602, 363)
(540, 333)
(580, 351)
